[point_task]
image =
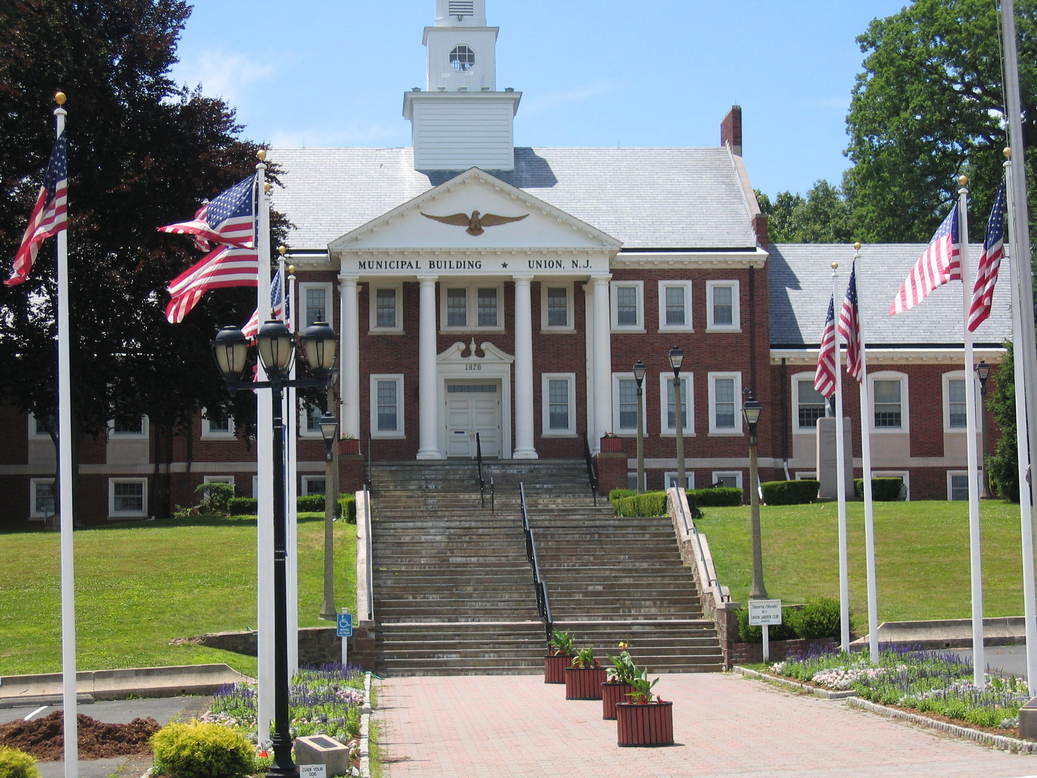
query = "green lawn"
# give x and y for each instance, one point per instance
(141, 584)
(921, 556)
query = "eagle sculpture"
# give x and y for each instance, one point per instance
(475, 223)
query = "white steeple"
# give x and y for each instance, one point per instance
(460, 120)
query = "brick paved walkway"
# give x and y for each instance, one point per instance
(723, 725)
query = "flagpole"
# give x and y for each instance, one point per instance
(976, 564)
(1022, 285)
(264, 478)
(840, 485)
(1022, 450)
(65, 508)
(869, 512)
(291, 420)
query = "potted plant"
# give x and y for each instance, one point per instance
(611, 443)
(559, 655)
(647, 720)
(584, 677)
(618, 683)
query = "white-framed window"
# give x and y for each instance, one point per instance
(129, 426)
(722, 311)
(808, 405)
(216, 424)
(556, 306)
(462, 58)
(387, 406)
(632, 480)
(558, 403)
(888, 401)
(312, 484)
(127, 497)
(309, 421)
(668, 420)
(954, 414)
(628, 309)
(674, 306)
(314, 303)
(670, 479)
(903, 475)
(42, 499)
(728, 478)
(624, 404)
(957, 485)
(38, 427)
(218, 479)
(806, 475)
(386, 314)
(725, 410)
(475, 307)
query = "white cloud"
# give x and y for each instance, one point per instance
(222, 74)
(549, 100)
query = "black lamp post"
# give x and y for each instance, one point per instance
(751, 410)
(639, 375)
(983, 373)
(329, 431)
(276, 347)
(676, 357)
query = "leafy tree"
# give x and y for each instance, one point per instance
(142, 151)
(1003, 464)
(823, 216)
(928, 106)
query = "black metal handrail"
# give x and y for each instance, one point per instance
(592, 473)
(539, 585)
(478, 463)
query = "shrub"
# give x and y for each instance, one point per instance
(714, 496)
(647, 504)
(242, 506)
(246, 506)
(17, 764)
(198, 750)
(347, 507)
(310, 503)
(215, 497)
(790, 492)
(752, 634)
(819, 618)
(617, 494)
(882, 489)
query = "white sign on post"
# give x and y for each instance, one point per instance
(313, 771)
(763, 613)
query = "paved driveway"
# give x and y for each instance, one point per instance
(724, 725)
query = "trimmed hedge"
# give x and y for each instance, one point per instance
(618, 494)
(311, 503)
(882, 489)
(647, 504)
(198, 750)
(716, 495)
(819, 618)
(790, 492)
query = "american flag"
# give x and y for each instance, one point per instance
(278, 305)
(49, 215)
(989, 263)
(938, 264)
(824, 378)
(229, 218)
(850, 327)
(226, 266)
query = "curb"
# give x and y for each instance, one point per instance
(1000, 742)
(365, 729)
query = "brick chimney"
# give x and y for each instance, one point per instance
(731, 130)
(760, 228)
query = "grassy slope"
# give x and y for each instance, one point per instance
(921, 553)
(141, 584)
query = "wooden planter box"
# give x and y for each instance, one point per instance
(554, 667)
(584, 684)
(611, 693)
(650, 724)
(611, 445)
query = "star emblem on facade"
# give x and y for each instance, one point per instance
(475, 223)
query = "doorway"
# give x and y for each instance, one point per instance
(471, 408)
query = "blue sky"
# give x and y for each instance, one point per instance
(592, 72)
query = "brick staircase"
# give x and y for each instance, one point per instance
(453, 589)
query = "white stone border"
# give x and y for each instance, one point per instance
(1002, 742)
(365, 729)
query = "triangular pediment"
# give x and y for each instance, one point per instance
(475, 212)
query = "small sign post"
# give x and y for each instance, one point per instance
(344, 630)
(313, 771)
(763, 613)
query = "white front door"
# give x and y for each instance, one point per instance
(472, 408)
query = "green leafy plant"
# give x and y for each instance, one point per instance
(624, 669)
(197, 750)
(790, 492)
(819, 618)
(17, 764)
(642, 693)
(584, 659)
(561, 642)
(215, 497)
(882, 489)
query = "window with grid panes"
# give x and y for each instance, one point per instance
(557, 306)
(956, 418)
(810, 404)
(558, 399)
(385, 308)
(457, 307)
(626, 306)
(627, 404)
(676, 315)
(487, 307)
(386, 414)
(887, 404)
(724, 406)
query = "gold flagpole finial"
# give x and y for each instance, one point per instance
(261, 155)
(1007, 151)
(282, 250)
(857, 246)
(963, 180)
(59, 98)
(835, 266)
(291, 270)
(267, 187)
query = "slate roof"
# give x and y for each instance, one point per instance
(689, 198)
(800, 282)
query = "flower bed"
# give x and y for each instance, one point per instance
(935, 683)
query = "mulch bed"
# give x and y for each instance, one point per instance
(44, 738)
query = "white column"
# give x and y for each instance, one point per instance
(588, 345)
(602, 359)
(428, 396)
(349, 370)
(523, 371)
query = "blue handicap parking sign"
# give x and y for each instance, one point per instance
(344, 625)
